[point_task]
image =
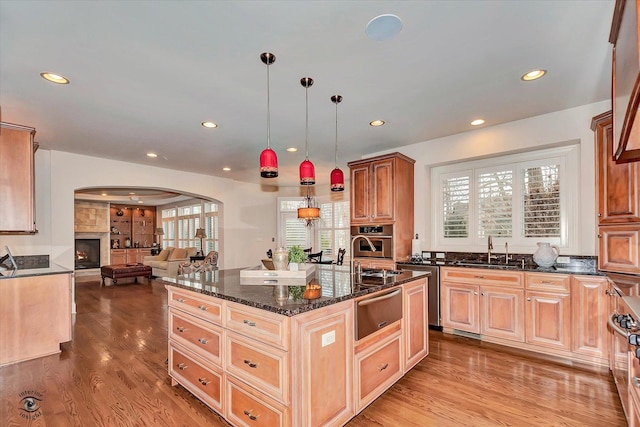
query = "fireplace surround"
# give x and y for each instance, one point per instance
(87, 254)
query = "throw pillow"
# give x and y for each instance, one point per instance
(164, 254)
(178, 253)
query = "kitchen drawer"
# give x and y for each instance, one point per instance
(377, 369)
(482, 276)
(197, 335)
(550, 282)
(202, 380)
(259, 324)
(263, 366)
(200, 306)
(246, 407)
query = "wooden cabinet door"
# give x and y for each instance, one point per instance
(459, 306)
(618, 248)
(501, 313)
(382, 199)
(118, 256)
(415, 319)
(17, 175)
(360, 211)
(548, 320)
(590, 306)
(618, 184)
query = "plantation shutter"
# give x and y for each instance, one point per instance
(495, 199)
(455, 198)
(541, 201)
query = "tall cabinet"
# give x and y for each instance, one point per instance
(17, 179)
(618, 201)
(382, 193)
(131, 233)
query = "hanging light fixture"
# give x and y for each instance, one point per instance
(307, 170)
(268, 157)
(337, 177)
(309, 212)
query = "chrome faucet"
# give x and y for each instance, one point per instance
(489, 249)
(353, 240)
(507, 257)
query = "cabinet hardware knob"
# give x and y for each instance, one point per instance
(479, 277)
(599, 236)
(180, 300)
(247, 322)
(599, 214)
(528, 299)
(203, 381)
(182, 366)
(250, 415)
(475, 292)
(180, 328)
(203, 308)
(482, 293)
(203, 341)
(250, 363)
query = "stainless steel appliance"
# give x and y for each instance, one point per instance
(433, 291)
(376, 312)
(381, 236)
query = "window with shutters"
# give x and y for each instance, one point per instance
(181, 222)
(521, 199)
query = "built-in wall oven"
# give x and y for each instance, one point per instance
(381, 236)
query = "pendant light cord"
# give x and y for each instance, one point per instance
(336, 149)
(268, 110)
(306, 131)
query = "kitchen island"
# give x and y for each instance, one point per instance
(260, 361)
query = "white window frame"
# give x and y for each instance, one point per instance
(568, 157)
(200, 219)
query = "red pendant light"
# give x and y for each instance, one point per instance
(268, 157)
(337, 177)
(307, 170)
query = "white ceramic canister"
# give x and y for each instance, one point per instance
(546, 254)
(280, 259)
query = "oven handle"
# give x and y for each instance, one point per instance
(380, 298)
(615, 327)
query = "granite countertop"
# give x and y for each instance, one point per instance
(53, 269)
(334, 280)
(578, 267)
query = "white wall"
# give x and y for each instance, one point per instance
(519, 136)
(249, 214)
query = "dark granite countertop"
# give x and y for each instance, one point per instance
(582, 268)
(334, 280)
(53, 269)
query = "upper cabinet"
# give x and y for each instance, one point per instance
(625, 87)
(17, 179)
(382, 189)
(132, 226)
(618, 201)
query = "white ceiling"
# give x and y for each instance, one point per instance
(145, 74)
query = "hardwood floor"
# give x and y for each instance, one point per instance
(113, 373)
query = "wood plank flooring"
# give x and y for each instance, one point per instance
(113, 373)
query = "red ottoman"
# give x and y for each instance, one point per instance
(121, 271)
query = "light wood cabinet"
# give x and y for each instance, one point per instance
(618, 201)
(35, 316)
(247, 407)
(590, 312)
(501, 312)
(17, 175)
(128, 256)
(382, 192)
(415, 320)
(548, 320)
(460, 305)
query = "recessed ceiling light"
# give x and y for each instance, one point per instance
(152, 155)
(209, 124)
(292, 149)
(132, 193)
(104, 194)
(226, 169)
(55, 78)
(140, 201)
(477, 122)
(377, 123)
(533, 75)
(383, 27)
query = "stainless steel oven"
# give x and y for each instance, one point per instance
(376, 312)
(381, 236)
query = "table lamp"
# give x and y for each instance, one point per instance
(201, 234)
(159, 232)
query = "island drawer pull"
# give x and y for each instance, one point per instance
(203, 341)
(182, 366)
(203, 307)
(251, 416)
(250, 363)
(180, 328)
(546, 282)
(203, 381)
(247, 322)
(479, 277)
(180, 300)
(383, 367)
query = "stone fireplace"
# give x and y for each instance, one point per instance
(87, 254)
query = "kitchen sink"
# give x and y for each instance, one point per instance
(485, 265)
(379, 273)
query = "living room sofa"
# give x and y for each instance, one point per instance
(167, 262)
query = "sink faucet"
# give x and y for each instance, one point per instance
(353, 240)
(489, 249)
(507, 257)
